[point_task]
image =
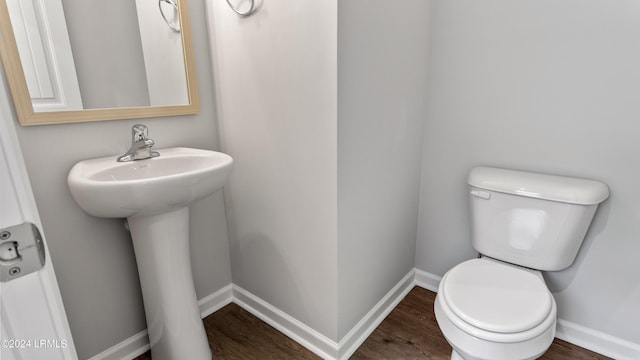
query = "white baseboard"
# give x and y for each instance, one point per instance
(587, 338)
(286, 324)
(301, 333)
(427, 280)
(138, 344)
(216, 301)
(328, 349)
(132, 347)
(311, 339)
(597, 341)
(361, 331)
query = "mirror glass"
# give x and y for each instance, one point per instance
(84, 60)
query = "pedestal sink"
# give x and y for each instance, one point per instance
(154, 195)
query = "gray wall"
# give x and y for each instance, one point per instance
(382, 70)
(107, 51)
(549, 86)
(276, 79)
(93, 257)
(303, 166)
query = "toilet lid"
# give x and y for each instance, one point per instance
(496, 297)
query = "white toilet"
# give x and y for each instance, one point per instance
(498, 306)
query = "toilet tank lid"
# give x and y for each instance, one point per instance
(541, 186)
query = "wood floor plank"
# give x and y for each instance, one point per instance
(409, 332)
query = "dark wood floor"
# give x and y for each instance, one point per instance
(409, 332)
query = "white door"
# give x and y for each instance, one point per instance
(33, 323)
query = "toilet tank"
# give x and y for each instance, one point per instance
(533, 220)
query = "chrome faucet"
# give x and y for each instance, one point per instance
(140, 145)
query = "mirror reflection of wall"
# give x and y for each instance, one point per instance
(107, 51)
(160, 38)
(106, 54)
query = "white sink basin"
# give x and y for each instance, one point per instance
(104, 187)
(154, 195)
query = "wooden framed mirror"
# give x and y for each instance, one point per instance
(66, 74)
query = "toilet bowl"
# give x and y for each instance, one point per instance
(498, 307)
(492, 310)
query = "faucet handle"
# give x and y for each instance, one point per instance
(139, 132)
(140, 145)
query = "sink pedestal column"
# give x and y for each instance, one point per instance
(161, 245)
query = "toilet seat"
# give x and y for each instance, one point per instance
(496, 301)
